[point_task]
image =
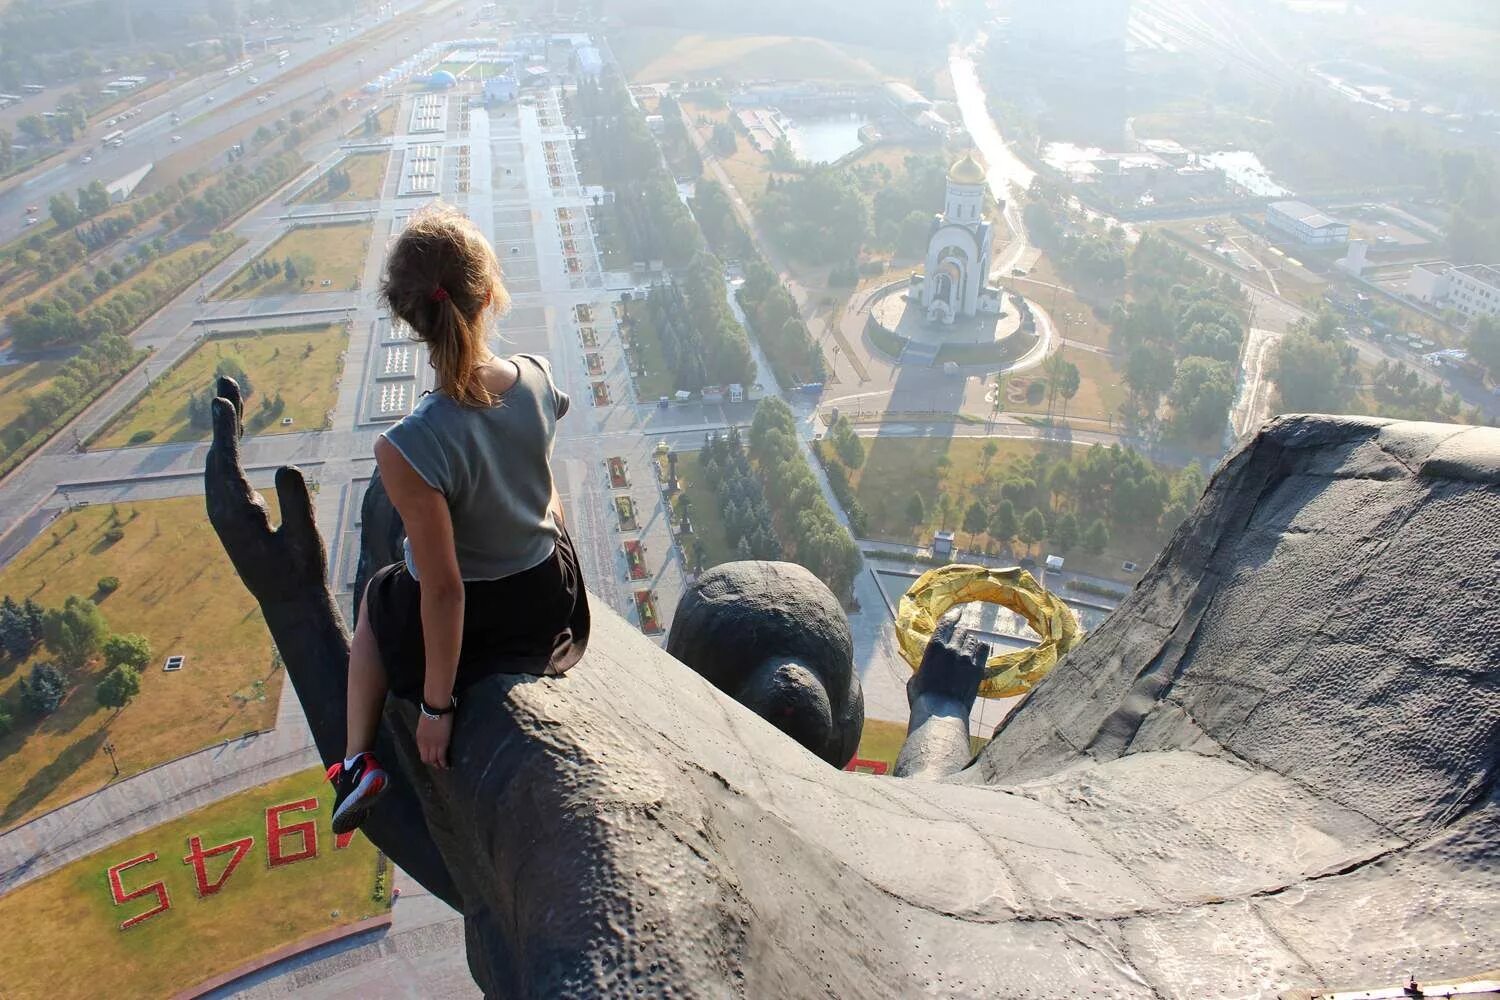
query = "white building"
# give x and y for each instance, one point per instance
(958, 252)
(1306, 224)
(1472, 290)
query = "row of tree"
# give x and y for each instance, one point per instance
(820, 217)
(76, 634)
(81, 378)
(68, 212)
(748, 524)
(702, 342)
(656, 224)
(62, 318)
(808, 527)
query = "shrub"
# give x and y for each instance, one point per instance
(43, 691)
(108, 584)
(114, 535)
(130, 651)
(75, 631)
(6, 722)
(119, 686)
(142, 436)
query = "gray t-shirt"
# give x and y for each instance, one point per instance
(492, 464)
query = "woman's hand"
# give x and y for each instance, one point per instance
(432, 740)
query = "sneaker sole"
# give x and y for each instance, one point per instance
(357, 806)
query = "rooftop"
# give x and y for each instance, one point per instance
(967, 171)
(1482, 273)
(1305, 214)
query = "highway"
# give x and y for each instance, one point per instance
(213, 104)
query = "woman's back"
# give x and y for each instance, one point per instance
(491, 464)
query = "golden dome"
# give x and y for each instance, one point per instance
(966, 171)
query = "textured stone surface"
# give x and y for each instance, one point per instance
(1273, 768)
(773, 637)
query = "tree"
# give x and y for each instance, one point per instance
(988, 453)
(1003, 524)
(1484, 343)
(916, 510)
(975, 519)
(1308, 373)
(1065, 532)
(846, 443)
(1033, 528)
(63, 211)
(1201, 394)
(724, 139)
(1067, 381)
(1096, 539)
(127, 650)
(75, 631)
(93, 200)
(17, 636)
(118, 687)
(6, 722)
(43, 690)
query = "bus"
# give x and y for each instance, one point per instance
(283, 56)
(115, 139)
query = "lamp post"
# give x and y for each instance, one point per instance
(109, 748)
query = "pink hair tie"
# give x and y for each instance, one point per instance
(440, 294)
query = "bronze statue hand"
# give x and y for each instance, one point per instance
(278, 565)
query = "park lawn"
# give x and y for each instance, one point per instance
(162, 263)
(708, 519)
(18, 381)
(302, 364)
(333, 252)
(748, 168)
(1101, 389)
(385, 123)
(366, 178)
(894, 468)
(653, 55)
(648, 357)
(178, 590)
(1075, 319)
(65, 939)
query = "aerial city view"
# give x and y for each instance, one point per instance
(841, 498)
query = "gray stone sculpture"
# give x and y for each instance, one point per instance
(773, 637)
(1274, 767)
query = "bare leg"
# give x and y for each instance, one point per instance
(367, 687)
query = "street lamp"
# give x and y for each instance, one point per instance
(109, 748)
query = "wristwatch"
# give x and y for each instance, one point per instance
(437, 713)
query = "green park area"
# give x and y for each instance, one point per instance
(357, 177)
(333, 253)
(1097, 506)
(253, 906)
(698, 499)
(292, 374)
(648, 365)
(154, 569)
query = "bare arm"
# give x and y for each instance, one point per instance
(429, 529)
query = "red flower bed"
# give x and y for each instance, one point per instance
(635, 558)
(645, 604)
(601, 393)
(595, 364)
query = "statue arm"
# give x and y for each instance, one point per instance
(286, 571)
(941, 694)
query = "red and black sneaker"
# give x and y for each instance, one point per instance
(356, 789)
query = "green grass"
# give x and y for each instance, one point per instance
(65, 940)
(366, 177)
(647, 355)
(301, 364)
(179, 591)
(334, 252)
(708, 519)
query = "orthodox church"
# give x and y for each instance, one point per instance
(958, 252)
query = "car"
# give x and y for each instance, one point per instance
(176, 138)
(86, 159)
(111, 123)
(32, 209)
(254, 79)
(209, 99)
(32, 220)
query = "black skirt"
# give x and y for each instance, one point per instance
(533, 622)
